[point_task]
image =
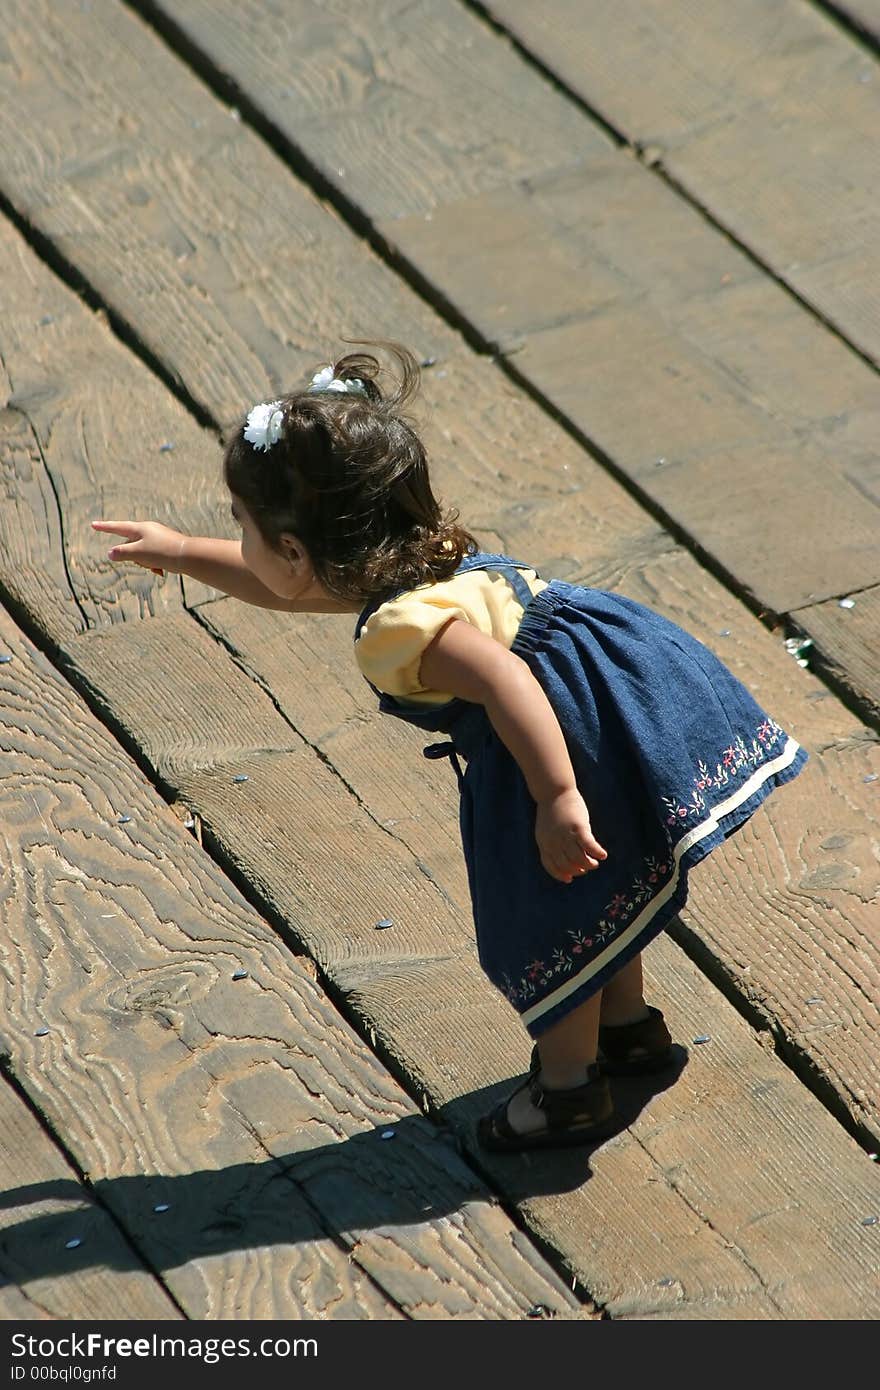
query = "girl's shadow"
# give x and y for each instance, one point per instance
(398, 1175)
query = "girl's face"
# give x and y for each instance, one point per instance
(290, 575)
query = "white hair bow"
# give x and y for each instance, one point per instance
(324, 380)
(265, 424)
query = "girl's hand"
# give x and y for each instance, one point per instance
(156, 547)
(566, 842)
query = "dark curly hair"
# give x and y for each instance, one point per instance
(349, 478)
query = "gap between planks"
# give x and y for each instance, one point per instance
(431, 293)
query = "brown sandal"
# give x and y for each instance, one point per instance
(577, 1116)
(629, 1049)
(636, 1049)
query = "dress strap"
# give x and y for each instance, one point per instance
(520, 587)
(500, 564)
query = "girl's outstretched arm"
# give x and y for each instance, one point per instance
(473, 666)
(215, 562)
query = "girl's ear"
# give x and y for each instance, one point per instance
(293, 549)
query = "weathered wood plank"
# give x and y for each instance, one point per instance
(716, 358)
(234, 275)
(725, 388)
(711, 1202)
(794, 902)
(246, 1105)
(403, 1001)
(427, 112)
(44, 1207)
(765, 112)
(711, 1268)
(82, 434)
(340, 865)
(405, 991)
(262, 817)
(847, 644)
(666, 348)
(769, 1128)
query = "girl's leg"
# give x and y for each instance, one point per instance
(623, 999)
(566, 1050)
(635, 1039)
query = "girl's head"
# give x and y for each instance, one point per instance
(342, 475)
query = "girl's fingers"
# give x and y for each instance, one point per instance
(133, 552)
(133, 532)
(586, 861)
(129, 529)
(580, 856)
(589, 845)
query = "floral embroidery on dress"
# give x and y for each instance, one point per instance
(654, 873)
(737, 756)
(617, 914)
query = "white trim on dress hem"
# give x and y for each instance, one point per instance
(699, 832)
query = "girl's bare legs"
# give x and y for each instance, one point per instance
(570, 1046)
(566, 1050)
(623, 999)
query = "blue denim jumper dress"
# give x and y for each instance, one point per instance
(670, 753)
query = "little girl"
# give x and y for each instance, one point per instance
(607, 750)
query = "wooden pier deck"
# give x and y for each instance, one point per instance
(636, 247)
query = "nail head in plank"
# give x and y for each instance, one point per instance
(45, 1205)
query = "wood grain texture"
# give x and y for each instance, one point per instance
(766, 113)
(411, 105)
(634, 1290)
(633, 295)
(756, 1308)
(43, 1207)
(256, 828)
(729, 1192)
(232, 272)
(790, 909)
(83, 435)
(789, 906)
(846, 644)
(339, 866)
(753, 505)
(714, 402)
(405, 989)
(246, 1105)
(669, 351)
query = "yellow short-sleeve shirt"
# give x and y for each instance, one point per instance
(390, 647)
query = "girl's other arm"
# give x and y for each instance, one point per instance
(215, 562)
(473, 666)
